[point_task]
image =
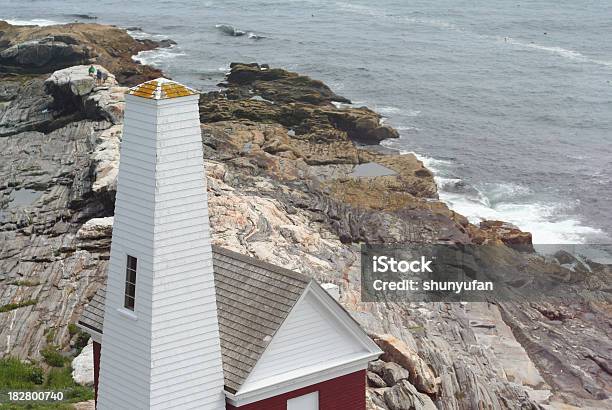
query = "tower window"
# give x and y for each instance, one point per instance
(130, 282)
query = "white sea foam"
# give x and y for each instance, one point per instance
(143, 35)
(537, 218)
(381, 13)
(442, 24)
(503, 202)
(407, 128)
(506, 192)
(389, 110)
(443, 182)
(341, 105)
(360, 9)
(386, 109)
(255, 36)
(32, 22)
(560, 51)
(157, 57)
(434, 164)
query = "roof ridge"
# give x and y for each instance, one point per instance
(258, 262)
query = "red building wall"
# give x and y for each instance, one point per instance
(96, 357)
(342, 393)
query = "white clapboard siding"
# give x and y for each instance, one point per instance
(166, 354)
(310, 337)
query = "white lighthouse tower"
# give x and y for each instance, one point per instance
(161, 346)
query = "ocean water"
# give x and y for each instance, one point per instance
(508, 102)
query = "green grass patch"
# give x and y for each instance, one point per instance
(73, 329)
(18, 376)
(13, 306)
(52, 356)
(14, 374)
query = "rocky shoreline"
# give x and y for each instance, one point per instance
(296, 177)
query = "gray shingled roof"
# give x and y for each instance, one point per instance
(93, 315)
(253, 299)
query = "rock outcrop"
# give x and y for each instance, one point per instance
(403, 396)
(73, 89)
(393, 373)
(289, 185)
(39, 50)
(375, 381)
(304, 105)
(38, 54)
(509, 234)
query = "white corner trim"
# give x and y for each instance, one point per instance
(290, 382)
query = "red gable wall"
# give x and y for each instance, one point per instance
(342, 393)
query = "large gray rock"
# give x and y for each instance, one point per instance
(404, 396)
(106, 159)
(376, 366)
(421, 374)
(95, 234)
(24, 106)
(73, 89)
(375, 380)
(41, 54)
(71, 81)
(375, 399)
(96, 228)
(392, 373)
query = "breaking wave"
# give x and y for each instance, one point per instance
(254, 36)
(157, 57)
(386, 110)
(549, 223)
(138, 34)
(32, 22)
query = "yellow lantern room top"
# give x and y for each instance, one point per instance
(161, 89)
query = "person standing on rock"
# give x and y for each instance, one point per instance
(99, 79)
(92, 70)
